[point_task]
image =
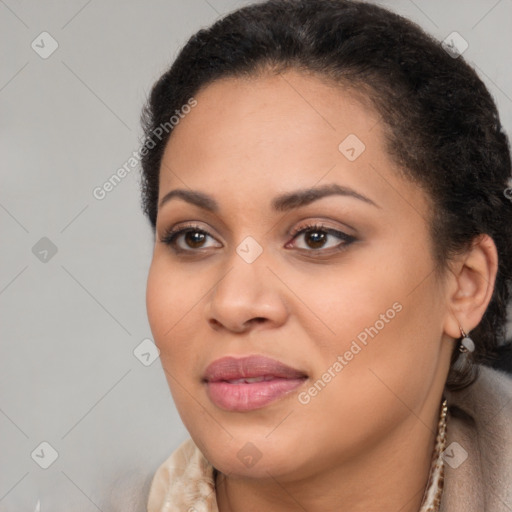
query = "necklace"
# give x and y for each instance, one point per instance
(432, 497)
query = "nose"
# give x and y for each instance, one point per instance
(246, 296)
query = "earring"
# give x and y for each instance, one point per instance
(466, 344)
(464, 362)
(464, 369)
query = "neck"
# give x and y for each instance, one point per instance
(391, 476)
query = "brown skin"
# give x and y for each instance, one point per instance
(364, 442)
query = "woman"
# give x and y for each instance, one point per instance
(328, 190)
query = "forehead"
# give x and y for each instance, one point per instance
(272, 133)
(290, 103)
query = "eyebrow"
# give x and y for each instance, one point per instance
(282, 203)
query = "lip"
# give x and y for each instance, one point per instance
(269, 380)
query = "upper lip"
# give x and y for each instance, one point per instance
(232, 368)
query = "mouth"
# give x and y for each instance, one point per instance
(248, 383)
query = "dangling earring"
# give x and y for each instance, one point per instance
(466, 344)
(464, 362)
(464, 371)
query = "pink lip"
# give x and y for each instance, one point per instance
(275, 380)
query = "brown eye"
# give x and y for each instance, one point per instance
(188, 239)
(194, 239)
(315, 239)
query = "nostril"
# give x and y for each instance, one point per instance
(214, 323)
(255, 321)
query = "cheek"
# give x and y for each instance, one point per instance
(168, 302)
(159, 301)
(337, 303)
(381, 311)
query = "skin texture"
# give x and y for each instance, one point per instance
(363, 442)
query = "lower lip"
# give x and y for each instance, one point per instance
(249, 396)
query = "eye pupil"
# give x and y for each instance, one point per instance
(194, 238)
(315, 239)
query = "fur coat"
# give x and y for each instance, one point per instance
(478, 456)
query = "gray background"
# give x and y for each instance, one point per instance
(71, 320)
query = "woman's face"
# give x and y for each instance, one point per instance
(298, 315)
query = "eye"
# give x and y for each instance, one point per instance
(315, 237)
(188, 238)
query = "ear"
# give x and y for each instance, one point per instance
(471, 285)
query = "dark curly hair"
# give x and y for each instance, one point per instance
(441, 124)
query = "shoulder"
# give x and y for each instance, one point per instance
(488, 401)
(478, 455)
(184, 481)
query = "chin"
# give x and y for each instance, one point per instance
(254, 463)
(251, 454)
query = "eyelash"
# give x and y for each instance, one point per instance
(171, 235)
(346, 239)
